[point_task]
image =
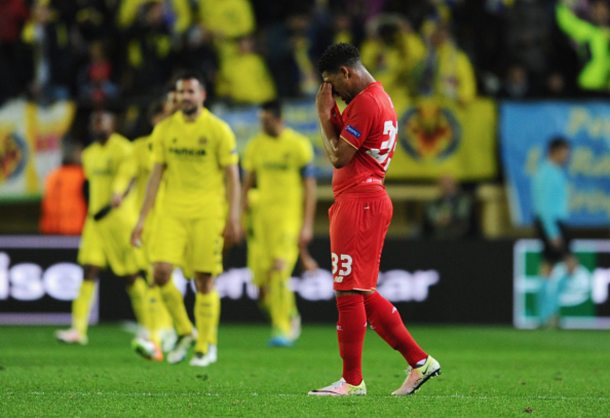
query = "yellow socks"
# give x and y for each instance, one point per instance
(138, 293)
(81, 306)
(174, 302)
(207, 316)
(281, 303)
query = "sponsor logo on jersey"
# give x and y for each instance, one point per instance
(187, 152)
(353, 131)
(13, 156)
(429, 131)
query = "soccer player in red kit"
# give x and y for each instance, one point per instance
(360, 144)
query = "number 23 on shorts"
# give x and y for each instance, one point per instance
(345, 268)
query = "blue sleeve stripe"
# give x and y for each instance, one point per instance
(308, 171)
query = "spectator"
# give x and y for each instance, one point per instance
(199, 54)
(48, 59)
(451, 215)
(390, 52)
(148, 51)
(446, 71)
(64, 207)
(551, 210)
(528, 35)
(96, 83)
(516, 84)
(593, 35)
(245, 78)
(227, 19)
(177, 14)
(13, 16)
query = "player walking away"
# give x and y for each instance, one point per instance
(551, 209)
(106, 241)
(360, 144)
(194, 153)
(161, 335)
(280, 162)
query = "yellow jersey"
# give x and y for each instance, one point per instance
(107, 167)
(278, 163)
(195, 155)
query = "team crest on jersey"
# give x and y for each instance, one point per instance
(429, 131)
(203, 140)
(13, 156)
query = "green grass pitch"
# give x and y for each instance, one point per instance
(487, 372)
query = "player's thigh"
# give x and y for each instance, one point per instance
(207, 243)
(123, 258)
(91, 251)
(357, 232)
(170, 240)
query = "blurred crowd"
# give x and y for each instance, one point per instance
(252, 51)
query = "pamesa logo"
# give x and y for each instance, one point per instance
(429, 131)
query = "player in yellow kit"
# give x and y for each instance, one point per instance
(194, 153)
(279, 161)
(105, 242)
(160, 325)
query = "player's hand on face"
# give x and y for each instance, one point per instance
(136, 235)
(325, 100)
(116, 200)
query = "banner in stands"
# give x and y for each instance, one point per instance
(526, 129)
(583, 295)
(428, 281)
(30, 145)
(438, 138)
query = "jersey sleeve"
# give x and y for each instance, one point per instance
(358, 121)
(227, 149)
(126, 169)
(159, 155)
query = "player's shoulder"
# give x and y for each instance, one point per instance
(141, 143)
(374, 98)
(298, 139)
(119, 143)
(216, 122)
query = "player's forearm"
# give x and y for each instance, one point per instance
(152, 187)
(248, 184)
(233, 190)
(310, 201)
(329, 139)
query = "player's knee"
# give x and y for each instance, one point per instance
(162, 273)
(90, 272)
(204, 282)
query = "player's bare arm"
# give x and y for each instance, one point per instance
(233, 231)
(309, 211)
(152, 187)
(249, 182)
(339, 152)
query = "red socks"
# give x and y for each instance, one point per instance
(351, 328)
(387, 323)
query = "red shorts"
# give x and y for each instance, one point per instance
(358, 225)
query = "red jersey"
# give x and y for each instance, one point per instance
(368, 124)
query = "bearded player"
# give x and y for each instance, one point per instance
(360, 144)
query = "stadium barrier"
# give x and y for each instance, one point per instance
(439, 282)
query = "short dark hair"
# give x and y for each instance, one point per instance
(337, 56)
(155, 108)
(191, 74)
(557, 143)
(273, 106)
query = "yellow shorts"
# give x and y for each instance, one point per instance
(196, 243)
(274, 238)
(107, 243)
(148, 236)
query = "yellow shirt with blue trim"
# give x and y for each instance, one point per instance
(195, 155)
(108, 169)
(278, 163)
